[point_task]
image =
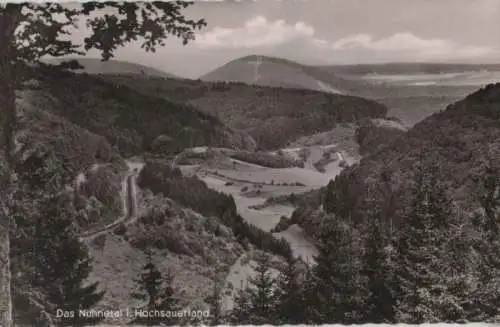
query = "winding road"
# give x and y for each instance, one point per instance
(129, 199)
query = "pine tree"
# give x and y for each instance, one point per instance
(307, 296)
(379, 306)
(337, 285)
(55, 268)
(289, 309)
(64, 264)
(256, 303)
(157, 293)
(485, 300)
(329, 197)
(338, 199)
(420, 274)
(241, 312)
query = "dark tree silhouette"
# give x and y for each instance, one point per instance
(30, 31)
(215, 301)
(256, 303)
(157, 293)
(289, 308)
(334, 296)
(380, 302)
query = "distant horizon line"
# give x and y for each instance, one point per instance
(360, 64)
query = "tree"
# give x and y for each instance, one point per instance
(30, 31)
(240, 314)
(289, 306)
(256, 303)
(487, 191)
(338, 197)
(215, 302)
(337, 287)
(51, 265)
(63, 264)
(329, 197)
(380, 303)
(420, 273)
(485, 302)
(156, 293)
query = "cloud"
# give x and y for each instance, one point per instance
(299, 39)
(256, 32)
(405, 45)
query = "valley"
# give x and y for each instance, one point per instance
(251, 185)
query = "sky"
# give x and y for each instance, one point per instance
(331, 32)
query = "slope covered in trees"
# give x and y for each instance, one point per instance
(427, 207)
(273, 116)
(462, 140)
(438, 265)
(50, 264)
(194, 193)
(371, 135)
(97, 66)
(130, 120)
(74, 152)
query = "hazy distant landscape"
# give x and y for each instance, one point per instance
(410, 91)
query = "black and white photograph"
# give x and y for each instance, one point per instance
(250, 162)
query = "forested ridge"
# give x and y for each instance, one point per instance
(273, 116)
(419, 220)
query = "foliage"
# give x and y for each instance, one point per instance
(217, 316)
(129, 120)
(337, 289)
(372, 138)
(266, 159)
(255, 304)
(431, 267)
(156, 293)
(194, 193)
(50, 264)
(274, 117)
(380, 302)
(289, 295)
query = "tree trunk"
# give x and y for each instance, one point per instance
(10, 17)
(7, 118)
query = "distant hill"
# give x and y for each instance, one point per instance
(96, 66)
(272, 116)
(411, 91)
(277, 72)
